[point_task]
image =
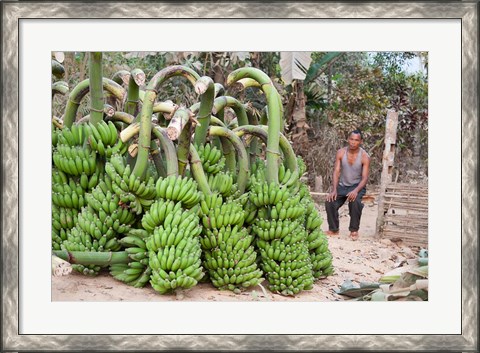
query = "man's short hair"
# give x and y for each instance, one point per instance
(356, 132)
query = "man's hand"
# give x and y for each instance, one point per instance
(352, 195)
(332, 196)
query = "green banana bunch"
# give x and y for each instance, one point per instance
(137, 194)
(302, 167)
(257, 173)
(70, 195)
(134, 273)
(222, 183)
(74, 136)
(69, 154)
(288, 267)
(173, 246)
(317, 241)
(229, 213)
(55, 133)
(211, 158)
(98, 225)
(137, 272)
(272, 229)
(230, 258)
(74, 160)
(87, 182)
(321, 263)
(286, 177)
(103, 138)
(250, 212)
(63, 219)
(262, 194)
(176, 266)
(159, 211)
(178, 189)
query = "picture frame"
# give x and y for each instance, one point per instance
(13, 12)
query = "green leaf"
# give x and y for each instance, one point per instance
(317, 68)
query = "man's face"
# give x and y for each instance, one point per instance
(354, 141)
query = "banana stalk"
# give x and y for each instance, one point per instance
(205, 87)
(169, 150)
(243, 163)
(121, 77)
(178, 123)
(57, 69)
(93, 258)
(166, 144)
(80, 90)
(144, 134)
(197, 171)
(171, 71)
(96, 88)
(219, 118)
(254, 148)
(147, 111)
(165, 107)
(217, 122)
(229, 153)
(261, 131)
(161, 107)
(108, 110)
(220, 103)
(274, 112)
(219, 89)
(180, 127)
(137, 79)
(59, 87)
(60, 267)
(155, 152)
(240, 110)
(129, 132)
(122, 117)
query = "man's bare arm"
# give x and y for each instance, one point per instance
(332, 196)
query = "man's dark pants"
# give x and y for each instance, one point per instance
(354, 208)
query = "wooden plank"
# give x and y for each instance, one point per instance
(410, 197)
(413, 233)
(407, 186)
(406, 218)
(387, 163)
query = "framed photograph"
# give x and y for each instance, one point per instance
(33, 321)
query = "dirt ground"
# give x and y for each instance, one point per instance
(364, 260)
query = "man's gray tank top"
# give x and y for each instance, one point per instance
(351, 174)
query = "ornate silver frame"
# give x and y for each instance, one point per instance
(467, 11)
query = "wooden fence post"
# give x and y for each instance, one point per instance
(387, 161)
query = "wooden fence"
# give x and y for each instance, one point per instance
(405, 209)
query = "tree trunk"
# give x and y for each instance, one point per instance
(299, 117)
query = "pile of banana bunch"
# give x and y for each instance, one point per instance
(173, 225)
(281, 237)
(229, 254)
(101, 212)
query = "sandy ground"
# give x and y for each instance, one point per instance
(364, 260)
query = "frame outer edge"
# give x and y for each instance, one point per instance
(12, 12)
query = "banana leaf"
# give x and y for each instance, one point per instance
(349, 289)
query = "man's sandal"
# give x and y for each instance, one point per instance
(330, 233)
(354, 235)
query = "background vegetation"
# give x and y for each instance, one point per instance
(338, 92)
